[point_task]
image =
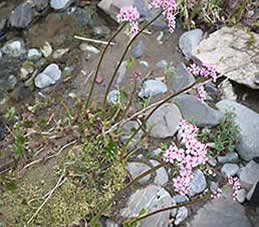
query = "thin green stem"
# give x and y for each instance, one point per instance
(123, 56)
(99, 64)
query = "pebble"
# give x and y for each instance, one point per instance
(229, 170)
(198, 183)
(181, 215)
(161, 177)
(46, 50)
(162, 64)
(113, 97)
(59, 53)
(214, 186)
(12, 81)
(241, 195)
(60, 4)
(137, 51)
(40, 5)
(86, 47)
(50, 75)
(34, 54)
(14, 48)
(151, 88)
(136, 169)
(122, 74)
(26, 70)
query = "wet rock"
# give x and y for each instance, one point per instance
(151, 88)
(182, 78)
(126, 131)
(34, 54)
(14, 48)
(248, 122)
(138, 49)
(241, 195)
(136, 169)
(40, 5)
(189, 40)
(198, 183)
(249, 175)
(46, 49)
(21, 16)
(181, 215)
(60, 4)
(221, 211)
(122, 74)
(151, 198)
(222, 49)
(253, 195)
(50, 75)
(229, 157)
(161, 177)
(164, 121)
(227, 91)
(200, 113)
(113, 97)
(229, 170)
(12, 81)
(59, 53)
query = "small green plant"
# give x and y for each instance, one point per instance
(10, 114)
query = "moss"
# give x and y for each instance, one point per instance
(92, 179)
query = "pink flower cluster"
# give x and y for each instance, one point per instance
(169, 11)
(236, 186)
(217, 194)
(194, 154)
(206, 70)
(129, 14)
(202, 94)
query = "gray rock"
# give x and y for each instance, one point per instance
(40, 5)
(26, 70)
(2, 24)
(15, 48)
(253, 193)
(34, 54)
(12, 81)
(180, 198)
(138, 49)
(221, 212)
(189, 40)
(241, 195)
(200, 113)
(249, 175)
(151, 198)
(181, 215)
(222, 49)
(1, 55)
(50, 75)
(126, 131)
(122, 74)
(212, 90)
(161, 177)
(60, 4)
(151, 88)
(21, 16)
(227, 90)
(198, 183)
(164, 121)
(137, 168)
(229, 170)
(173, 212)
(113, 97)
(248, 122)
(229, 157)
(157, 152)
(182, 78)
(212, 162)
(214, 187)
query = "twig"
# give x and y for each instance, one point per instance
(93, 40)
(61, 181)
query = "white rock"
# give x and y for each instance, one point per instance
(86, 47)
(60, 4)
(46, 50)
(14, 48)
(34, 54)
(181, 215)
(48, 77)
(59, 53)
(241, 195)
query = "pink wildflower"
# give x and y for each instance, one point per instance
(202, 94)
(169, 11)
(206, 70)
(217, 194)
(236, 186)
(129, 14)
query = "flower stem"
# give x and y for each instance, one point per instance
(99, 64)
(123, 56)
